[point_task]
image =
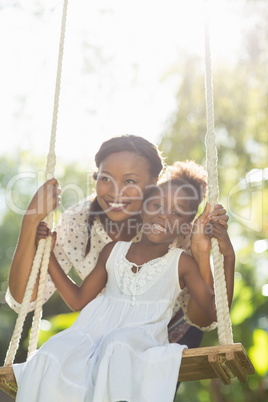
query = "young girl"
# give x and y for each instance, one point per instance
(126, 166)
(118, 349)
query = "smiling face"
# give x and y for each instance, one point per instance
(166, 213)
(121, 181)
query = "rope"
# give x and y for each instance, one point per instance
(51, 158)
(41, 260)
(40, 295)
(51, 163)
(14, 343)
(224, 324)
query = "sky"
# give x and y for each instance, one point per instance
(116, 56)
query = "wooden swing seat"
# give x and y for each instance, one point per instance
(224, 362)
(8, 382)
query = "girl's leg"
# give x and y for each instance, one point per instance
(181, 332)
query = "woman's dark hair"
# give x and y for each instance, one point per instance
(130, 143)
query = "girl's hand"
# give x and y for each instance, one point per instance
(203, 227)
(43, 232)
(45, 200)
(200, 241)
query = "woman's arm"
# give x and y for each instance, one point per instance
(44, 201)
(78, 297)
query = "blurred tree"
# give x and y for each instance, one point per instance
(241, 126)
(240, 120)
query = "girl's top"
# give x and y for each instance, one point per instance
(118, 349)
(70, 250)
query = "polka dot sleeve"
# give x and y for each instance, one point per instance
(50, 287)
(64, 237)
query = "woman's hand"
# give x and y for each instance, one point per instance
(225, 245)
(219, 215)
(45, 200)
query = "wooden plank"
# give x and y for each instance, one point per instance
(8, 382)
(232, 360)
(8, 373)
(215, 362)
(235, 365)
(223, 361)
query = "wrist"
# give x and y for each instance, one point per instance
(230, 257)
(200, 253)
(228, 252)
(31, 221)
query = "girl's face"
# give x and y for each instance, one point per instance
(166, 214)
(122, 178)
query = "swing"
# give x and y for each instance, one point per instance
(226, 361)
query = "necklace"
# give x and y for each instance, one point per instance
(137, 266)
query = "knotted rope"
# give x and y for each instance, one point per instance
(224, 324)
(41, 260)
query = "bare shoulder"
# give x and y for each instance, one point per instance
(186, 259)
(107, 249)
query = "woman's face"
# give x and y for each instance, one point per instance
(122, 179)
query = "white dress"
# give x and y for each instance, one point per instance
(70, 249)
(117, 350)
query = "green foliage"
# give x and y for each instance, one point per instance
(241, 125)
(55, 324)
(242, 307)
(259, 351)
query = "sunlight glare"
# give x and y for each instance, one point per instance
(116, 55)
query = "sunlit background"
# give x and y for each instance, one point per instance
(116, 57)
(138, 67)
